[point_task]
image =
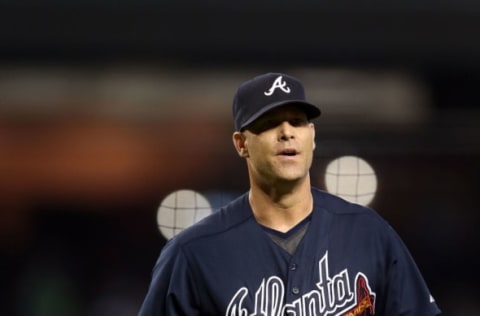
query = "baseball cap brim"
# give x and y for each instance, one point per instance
(311, 110)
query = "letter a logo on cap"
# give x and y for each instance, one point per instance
(278, 84)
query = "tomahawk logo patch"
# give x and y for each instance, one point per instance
(278, 84)
(332, 295)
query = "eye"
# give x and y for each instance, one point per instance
(263, 124)
(270, 123)
(266, 123)
(297, 122)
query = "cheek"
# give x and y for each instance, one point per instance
(309, 141)
(256, 150)
(261, 143)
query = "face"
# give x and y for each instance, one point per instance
(278, 146)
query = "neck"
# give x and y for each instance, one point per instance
(281, 207)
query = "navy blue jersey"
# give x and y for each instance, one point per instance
(349, 262)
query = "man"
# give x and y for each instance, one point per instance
(285, 248)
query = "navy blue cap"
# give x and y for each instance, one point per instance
(265, 92)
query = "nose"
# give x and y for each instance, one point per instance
(286, 131)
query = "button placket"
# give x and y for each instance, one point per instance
(292, 276)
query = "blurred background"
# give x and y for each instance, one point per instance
(106, 107)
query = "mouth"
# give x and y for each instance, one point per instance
(288, 152)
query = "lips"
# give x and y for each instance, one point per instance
(287, 152)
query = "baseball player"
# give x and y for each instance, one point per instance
(284, 247)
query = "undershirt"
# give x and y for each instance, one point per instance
(289, 240)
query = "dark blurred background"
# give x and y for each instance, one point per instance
(108, 106)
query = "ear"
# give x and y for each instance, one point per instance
(312, 126)
(239, 142)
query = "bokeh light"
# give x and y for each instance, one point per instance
(179, 210)
(351, 178)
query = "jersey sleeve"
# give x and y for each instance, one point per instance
(406, 291)
(171, 291)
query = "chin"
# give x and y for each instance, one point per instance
(294, 177)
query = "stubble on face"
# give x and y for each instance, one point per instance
(280, 147)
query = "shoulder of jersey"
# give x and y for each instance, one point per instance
(220, 221)
(337, 205)
(238, 211)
